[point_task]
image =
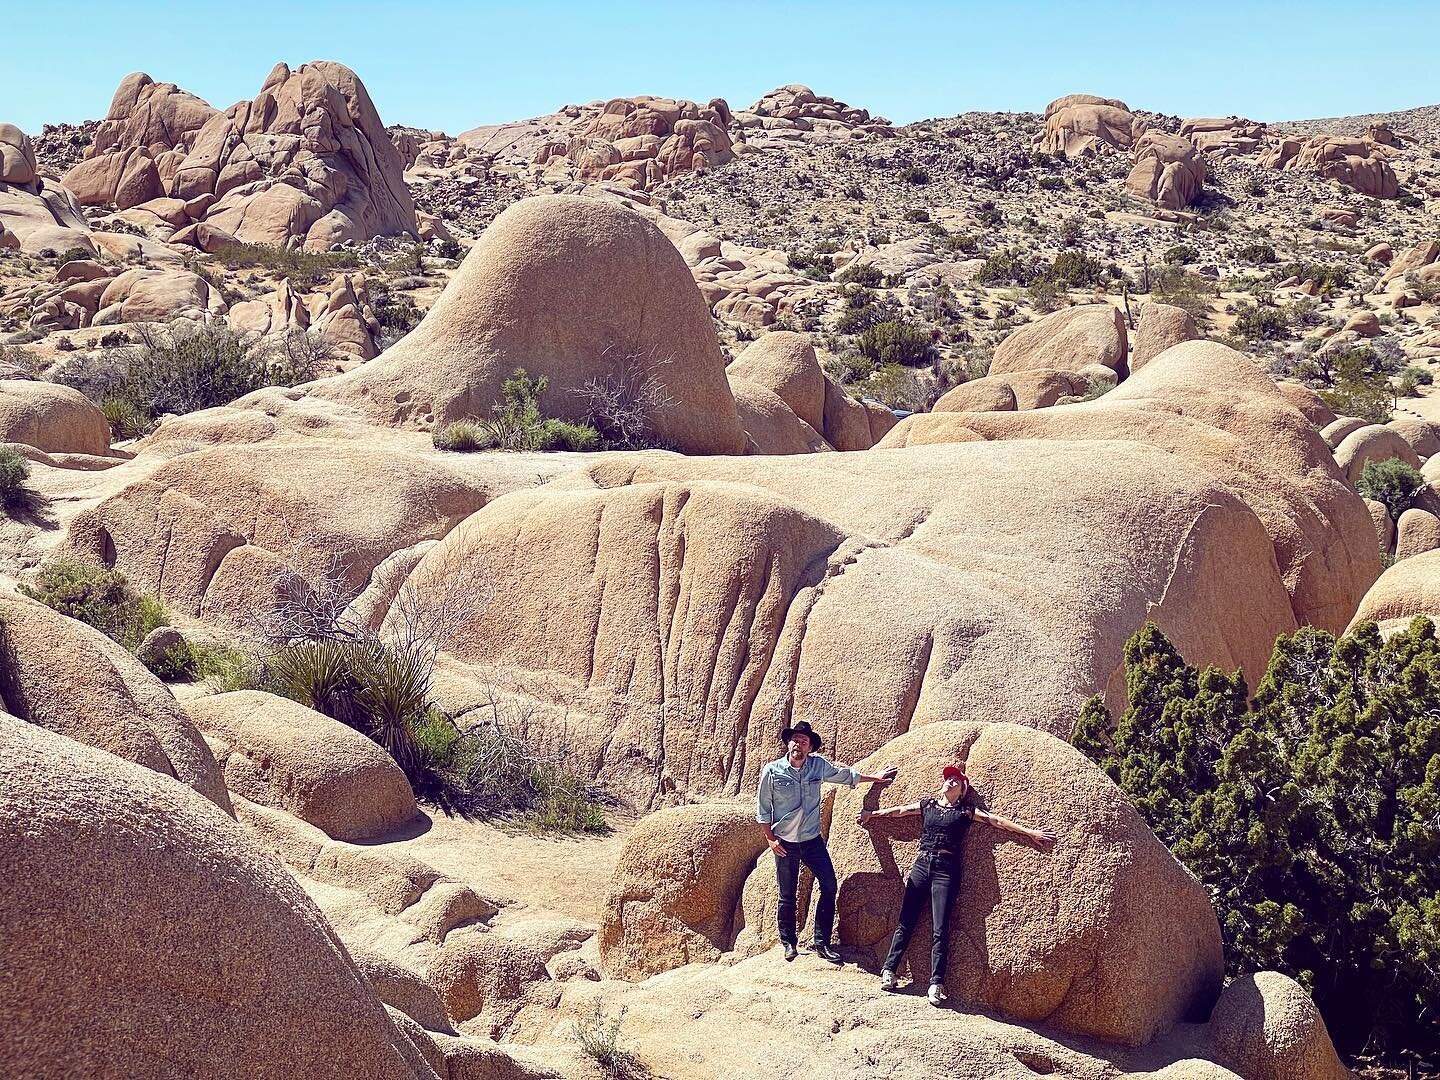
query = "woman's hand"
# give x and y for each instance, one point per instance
(1039, 839)
(863, 818)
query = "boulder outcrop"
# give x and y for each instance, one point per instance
(509, 307)
(1168, 170)
(72, 679)
(278, 753)
(1071, 339)
(1079, 125)
(638, 142)
(52, 418)
(307, 161)
(1359, 164)
(226, 965)
(1160, 327)
(676, 888)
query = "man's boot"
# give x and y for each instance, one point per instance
(790, 951)
(825, 952)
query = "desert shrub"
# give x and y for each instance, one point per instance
(849, 367)
(463, 437)
(1044, 296)
(1179, 288)
(896, 342)
(1075, 268)
(918, 215)
(564, 435)
(397, 316)
(861, 309)
(1359, 384)
(376, 689)
(183, 367)
(896, 387)
(1412, 378)
(126, 419)
(914, 175)
(1011, 267)
(1181, 254)
(306, 269)
(599, 1039)
(14, 472)
(1391, 482)
(449, 249)
(866, 274)
(1261, 322)
(622, 404)
(98, 597)
(1328, 277)
(1256, 253)
(1309, 814)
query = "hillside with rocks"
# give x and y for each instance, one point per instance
(415, 544)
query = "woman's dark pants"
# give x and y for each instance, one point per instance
(930, 878)
(813, 854)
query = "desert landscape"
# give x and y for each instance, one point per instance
(415, 544)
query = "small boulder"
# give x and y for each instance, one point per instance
(1161, 326)
(1373, 442)
(51, 417)
(1265, 1027)
(278, 753)
(1066, 340)
(1417, 531)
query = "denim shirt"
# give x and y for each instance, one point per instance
(788, 799)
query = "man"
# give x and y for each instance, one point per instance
(787, 804)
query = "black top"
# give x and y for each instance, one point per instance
(943, 826)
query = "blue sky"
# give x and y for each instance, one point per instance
(452, 66)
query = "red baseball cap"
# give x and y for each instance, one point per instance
(954, 772)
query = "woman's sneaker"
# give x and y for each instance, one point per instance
(937, 995)
(887, 980)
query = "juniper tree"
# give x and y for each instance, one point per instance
(1311, 814)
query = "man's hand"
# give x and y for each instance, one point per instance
(863, 818)
(886, 777)
(777, 847)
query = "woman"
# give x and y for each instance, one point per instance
(944, 822)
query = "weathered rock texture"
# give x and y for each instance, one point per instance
(1078, 125)
(51, 417)
(705, 601)
(638, 142)
(1068, 340)
(1361, 164)
(147, 934)
(1168, 170)
(512, 305)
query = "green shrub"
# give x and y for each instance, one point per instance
(1181, 254)
(864, 274)
(896, 387)
(1256, 253)
(1391, 482)
(449, 249)
(861, 309)
(463, 437)
(1261, 322)
(914, 175)
(1360, 385)
(1189, 292)
(127, 420)
(14, 472)
(1412, 378)
(1309, 814)
(1076, 268)
(1010, 267)
(98, 597)
(918, 215)
(599, 1039)
(896, 342)
(563, 435)
(307, 269)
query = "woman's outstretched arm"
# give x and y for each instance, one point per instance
(865, 816)
(1036, 838)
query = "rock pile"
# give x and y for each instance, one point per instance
(36, 217)
(307, 163)
(1079, 125)
(1168, 170)
(1360, 164)
(638, 142)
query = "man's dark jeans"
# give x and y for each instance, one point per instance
(929, 879)
(813, 854)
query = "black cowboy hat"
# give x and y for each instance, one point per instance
(803, 728)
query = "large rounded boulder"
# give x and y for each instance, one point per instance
(573, 289)
(676, 887)
(1071, 339)
(1106, 935)
(278, 753)
(1265, 1027)
(65, 676)
(50, 417)
(147, 934)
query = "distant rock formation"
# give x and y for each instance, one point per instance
(307, 162)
